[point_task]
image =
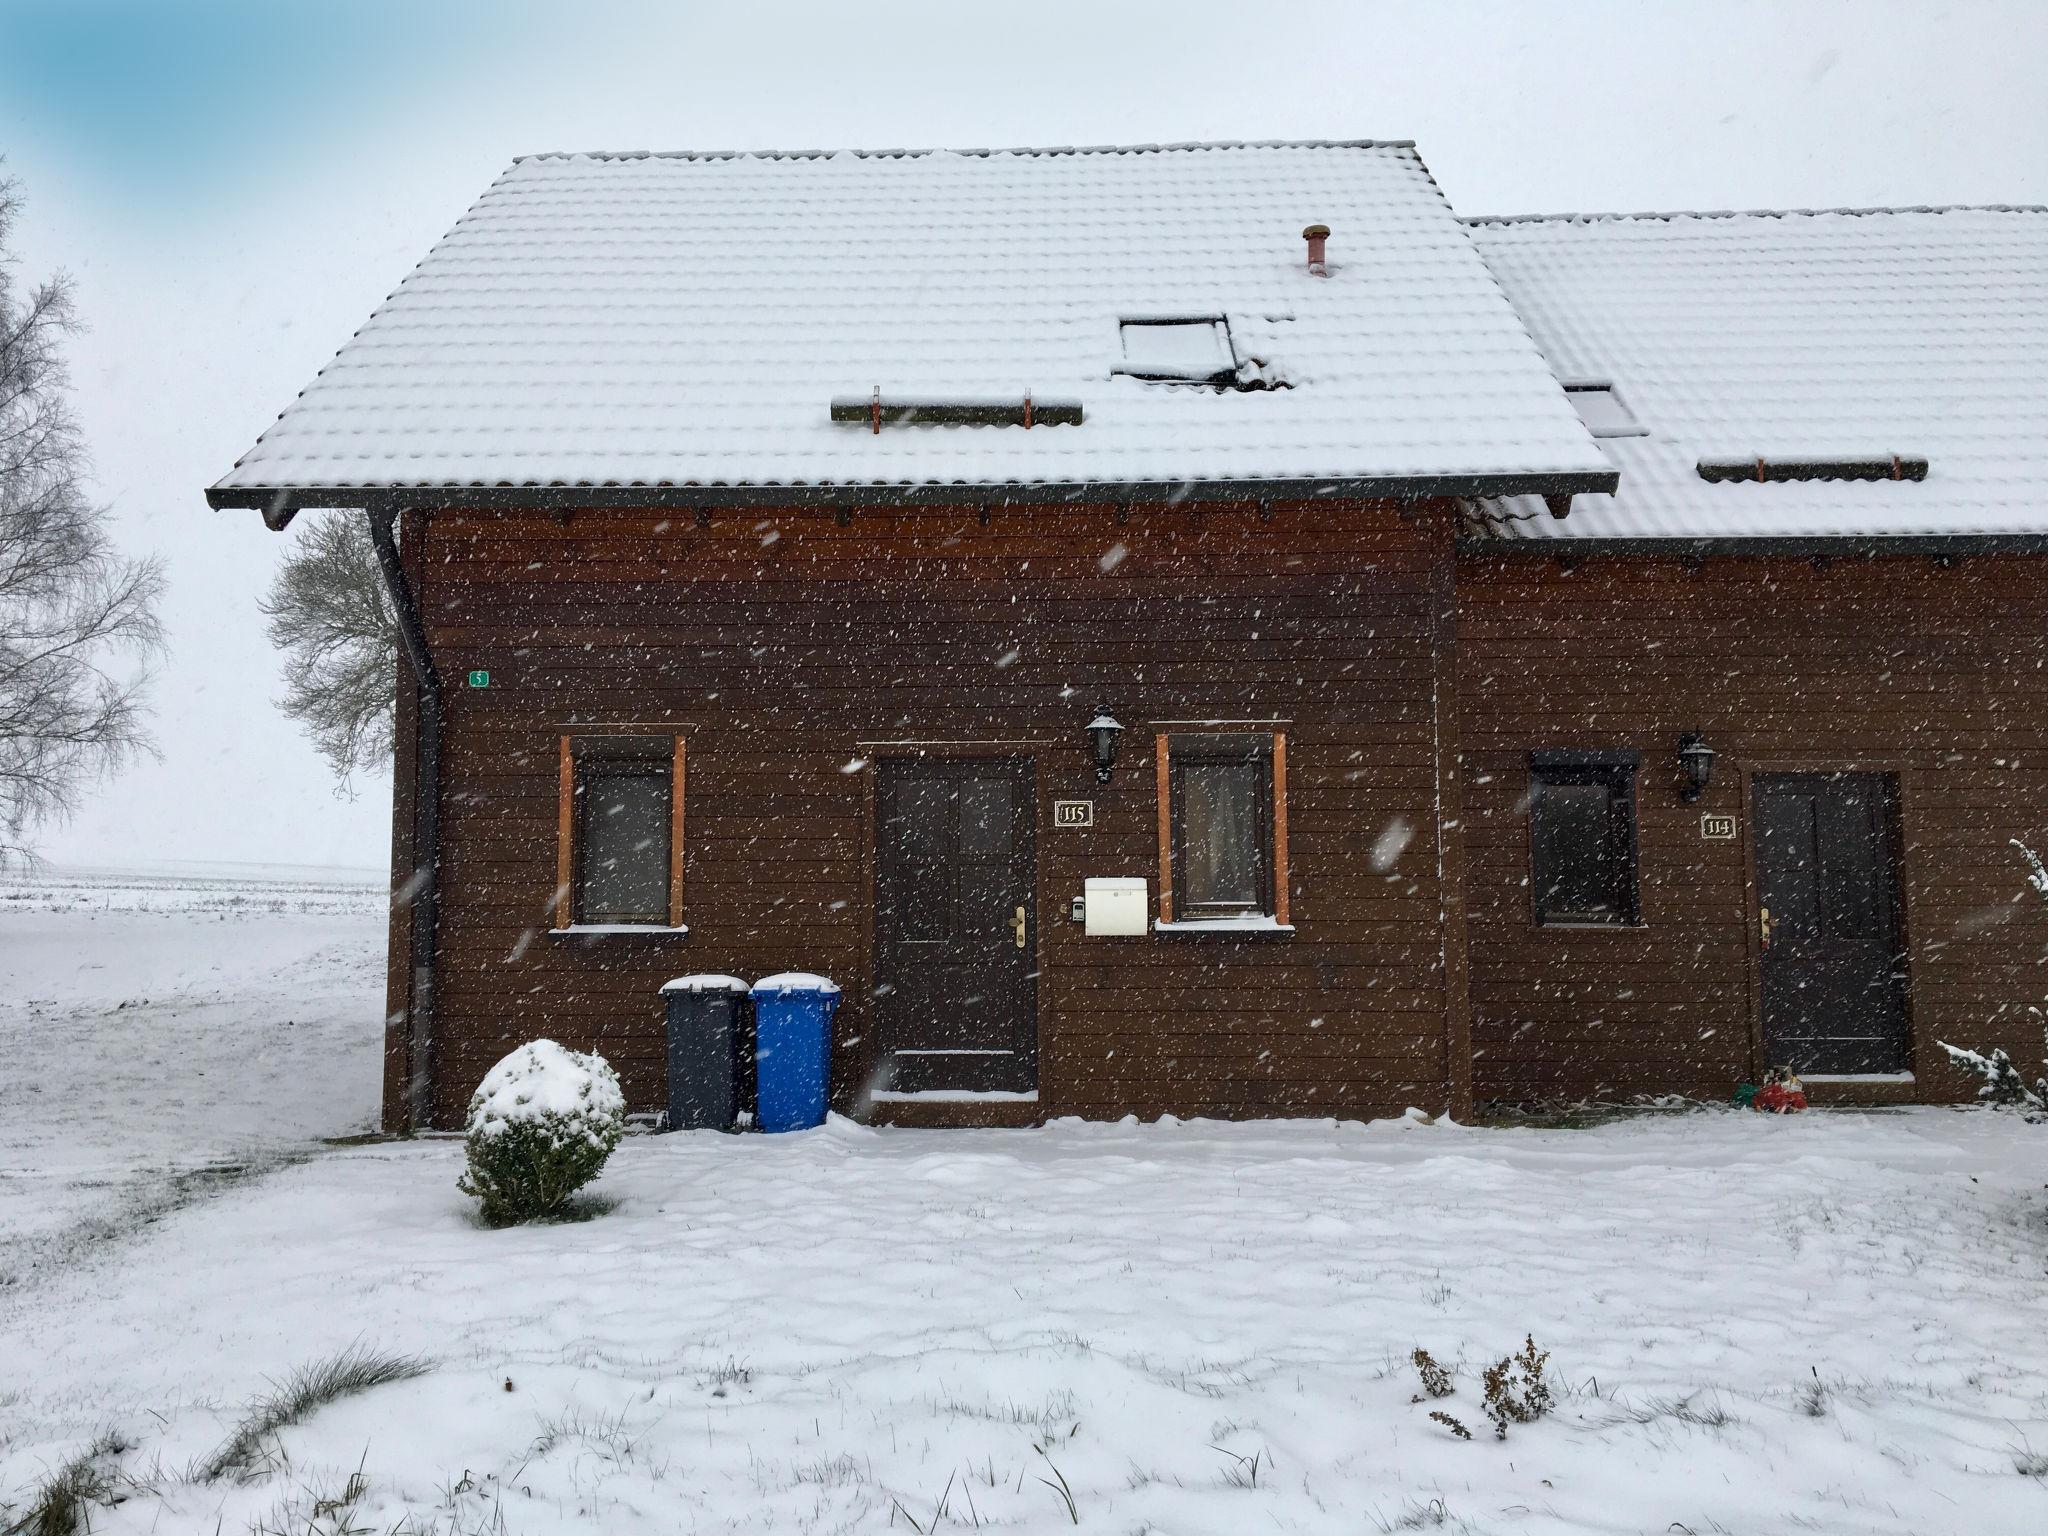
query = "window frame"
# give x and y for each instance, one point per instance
(1219, 328)
(1619, 770)
(581, 754)
(1634, 427)
(1176, 750)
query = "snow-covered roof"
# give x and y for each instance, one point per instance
(1839, 335)
(685, 320)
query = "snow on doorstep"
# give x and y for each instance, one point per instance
(1857, 1077)
(686, 319)
(1796, 336)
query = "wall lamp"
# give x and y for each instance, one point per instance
(1696, 762)
(1103, 732)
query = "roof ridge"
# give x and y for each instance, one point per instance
(1671, 215)
(979, 153)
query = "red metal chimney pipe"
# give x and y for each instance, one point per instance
(1315, 235)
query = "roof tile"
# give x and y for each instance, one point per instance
(1845, 334)
(687, 319)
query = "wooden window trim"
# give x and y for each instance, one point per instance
(600, 746)
(675, 835)
(565, 840)
(1569, 767)
(1280, 910)
(1171, 910)
(1163, 757)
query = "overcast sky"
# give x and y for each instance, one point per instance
(235, 185)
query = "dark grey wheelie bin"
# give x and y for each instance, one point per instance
(707, 1023)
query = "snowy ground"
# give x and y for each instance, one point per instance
(1833, 1323)
(163, 1030)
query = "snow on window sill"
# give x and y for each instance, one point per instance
(953, 1096)
(1254, 924)
(576, 930)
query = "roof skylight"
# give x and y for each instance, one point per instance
(1189, 351)
(1603, 411)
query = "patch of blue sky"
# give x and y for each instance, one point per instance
(164, 100)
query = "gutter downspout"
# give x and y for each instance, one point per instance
(422, 887)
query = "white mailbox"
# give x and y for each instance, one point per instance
(1115, 907)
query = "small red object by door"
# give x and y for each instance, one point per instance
(1783, 1097)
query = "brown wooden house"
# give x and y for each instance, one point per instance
(1200, 630)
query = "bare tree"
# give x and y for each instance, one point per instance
(78, 623)
(330, 614)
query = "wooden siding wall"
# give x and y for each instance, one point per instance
(785, 646)
(405, 885)
(398, 950)
(1939, 675)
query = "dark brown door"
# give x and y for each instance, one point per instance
(1833, 968)
(956, 925)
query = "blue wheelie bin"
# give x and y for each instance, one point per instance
(792, 1048)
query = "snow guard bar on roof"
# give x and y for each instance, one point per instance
(875, 411)
(1882, 467)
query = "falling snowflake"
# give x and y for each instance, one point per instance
(1386, 848)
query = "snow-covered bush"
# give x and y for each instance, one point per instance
(540, 1127)
(2004, 1084)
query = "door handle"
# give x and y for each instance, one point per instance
(1764, 925)
(1017, 927)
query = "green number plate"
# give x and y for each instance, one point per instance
(479, 679)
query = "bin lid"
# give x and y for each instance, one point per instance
(784, 982)
(710, 981)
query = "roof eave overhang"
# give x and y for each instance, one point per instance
(1833, 546)
(279, 503)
